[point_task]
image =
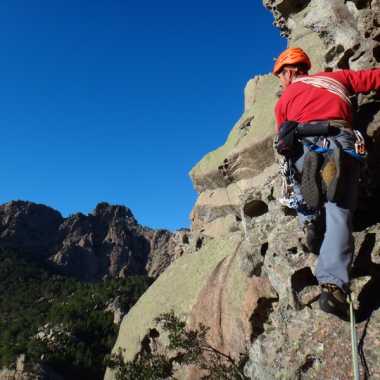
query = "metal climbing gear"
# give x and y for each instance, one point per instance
(360, 148)
(325, 143)
(288, 197)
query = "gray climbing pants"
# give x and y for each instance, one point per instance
(337, 248)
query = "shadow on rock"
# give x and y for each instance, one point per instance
(369, 194)
(369, 299)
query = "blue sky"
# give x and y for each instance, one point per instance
(117, 100)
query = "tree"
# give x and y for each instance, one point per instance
(191, 347)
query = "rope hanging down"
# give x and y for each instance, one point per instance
(354, 341)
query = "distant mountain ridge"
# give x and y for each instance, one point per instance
(106, 243)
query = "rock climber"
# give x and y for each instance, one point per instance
(326, 162)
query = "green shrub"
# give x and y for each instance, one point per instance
(187, 347)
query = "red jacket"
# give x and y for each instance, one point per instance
(304, 103)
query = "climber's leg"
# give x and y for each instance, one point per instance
(338, 244)
(337, 247)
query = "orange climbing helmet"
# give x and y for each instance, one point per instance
(291, 56)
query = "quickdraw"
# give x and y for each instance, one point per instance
(360, 148)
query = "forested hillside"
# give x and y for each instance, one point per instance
(59, 322)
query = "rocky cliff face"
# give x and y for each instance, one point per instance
(252, 279)
(108, 242)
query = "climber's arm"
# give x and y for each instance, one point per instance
(362, 81)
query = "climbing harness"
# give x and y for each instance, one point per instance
(359, 152)
(326, 168)
(354, 340)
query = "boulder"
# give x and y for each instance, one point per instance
(241, 166)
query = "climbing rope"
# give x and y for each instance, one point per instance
(354, 340)
(329, 84)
